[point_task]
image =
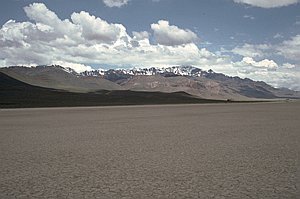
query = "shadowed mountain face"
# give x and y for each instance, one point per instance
(194, 81)
(14, 94)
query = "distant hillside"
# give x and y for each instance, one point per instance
(192, 80)
(16, 94)
(59, 78)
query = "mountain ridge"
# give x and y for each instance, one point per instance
(189, 79)
(17, 94)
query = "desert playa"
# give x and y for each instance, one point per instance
(238, 151)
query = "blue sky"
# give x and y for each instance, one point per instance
(259, 39)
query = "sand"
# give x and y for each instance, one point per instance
(165, 151)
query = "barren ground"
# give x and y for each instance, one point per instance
(164, 151)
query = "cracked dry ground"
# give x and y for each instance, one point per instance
(168, 151)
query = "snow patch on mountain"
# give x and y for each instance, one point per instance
(171, 71)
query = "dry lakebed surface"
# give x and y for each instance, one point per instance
(243, 150)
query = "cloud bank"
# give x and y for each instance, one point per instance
(88, 39)
(289, 49)
(268, 3)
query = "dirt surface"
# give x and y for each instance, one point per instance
(165, 151)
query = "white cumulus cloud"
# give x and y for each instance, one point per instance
(171, 35)
(93, 28)
(266, 63)
(115, 3)
(268, 3)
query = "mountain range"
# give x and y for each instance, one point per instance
(17, 94)
(188, 79)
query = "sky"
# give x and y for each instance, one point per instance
(257, 39)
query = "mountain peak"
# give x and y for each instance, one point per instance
(139, 71)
